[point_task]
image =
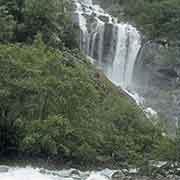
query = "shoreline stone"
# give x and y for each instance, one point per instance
(4, 169)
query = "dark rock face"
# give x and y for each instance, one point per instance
(109, 43)
(157, 78)
(157, 75)
(104, 18)
(157, 70)
(98, 34)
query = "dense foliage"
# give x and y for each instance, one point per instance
(54, 103)
(158, 19)
(21, 20)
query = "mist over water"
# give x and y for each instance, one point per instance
(114, 46)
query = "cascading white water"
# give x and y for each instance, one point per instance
(100, 45)
(29, 173)
(114, 46)
(127, 47)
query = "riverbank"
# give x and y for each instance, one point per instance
(58, 164)
(38, 172)
(149, 168)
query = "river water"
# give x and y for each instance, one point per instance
(29, 173)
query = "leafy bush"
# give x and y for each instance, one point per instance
(46, 136)
(21, 20)
(53, 103)
(7, 25)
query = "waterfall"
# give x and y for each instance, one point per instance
(127, 48)
(114, 46)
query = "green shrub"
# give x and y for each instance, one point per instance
(53, 104)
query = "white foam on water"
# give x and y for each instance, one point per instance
(139, 100)
(125, 46)
(150, 112)
(30, 173)
(27, 173)
(95, 176)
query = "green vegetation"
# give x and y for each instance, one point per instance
(21, 20)
(54, 103)
(158, 19)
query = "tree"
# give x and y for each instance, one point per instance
(7, 25)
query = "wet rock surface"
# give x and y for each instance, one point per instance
(157, 78)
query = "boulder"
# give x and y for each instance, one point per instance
(4, 169)
(104, 18)
(177, 171)
(75, 172)
(118, 175)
